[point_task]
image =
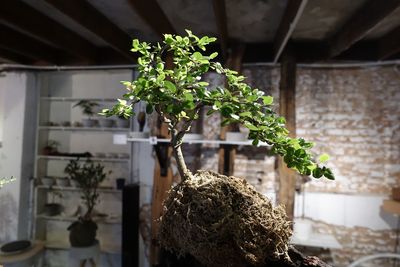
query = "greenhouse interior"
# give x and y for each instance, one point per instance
(175, 133)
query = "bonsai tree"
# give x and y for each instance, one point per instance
(87, 109)
(221, 221)
(88, 175)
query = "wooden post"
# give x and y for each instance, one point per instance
(227, 153)
(287, 108)
(161, 186)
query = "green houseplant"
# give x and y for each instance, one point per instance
(88, 175)
(87, 107)
(221, 221)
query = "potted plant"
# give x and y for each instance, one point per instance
(53, 208)
(219, 220)
(51, 148)
(87, 109)
(88, 176)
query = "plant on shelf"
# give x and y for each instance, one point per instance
(219, 220)
(88, 176)
(51, 148)
(53, 208)
(87, 107)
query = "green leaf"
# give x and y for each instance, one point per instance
(197, 56)
(234, 116)
(188, 96)
(214, 55)
(317, 172)
(170, 86)
(245, 114)
(250, 126)
(323, 158)
(149, 109)
(328, 174)
(267, 100)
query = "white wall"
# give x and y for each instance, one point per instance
(18, 115)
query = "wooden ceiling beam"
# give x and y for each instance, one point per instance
(14, 57)
(389, 44)
(90, 18)
(151, 12)
(27, 46)
(27, 19)
(364, 20)
(291, 16)
(222, 25)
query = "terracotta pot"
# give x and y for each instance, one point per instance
(82, 233)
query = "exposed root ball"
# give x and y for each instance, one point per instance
(223, 221)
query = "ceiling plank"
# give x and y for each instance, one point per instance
(389, 44)
(222, 26)
(291, 16)
(25, 18)
(364, 20)
(27, 46)
(151, 12)
(14, 57)
(89, 17)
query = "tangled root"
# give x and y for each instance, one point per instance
(223, 221)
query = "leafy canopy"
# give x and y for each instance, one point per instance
(178, 93)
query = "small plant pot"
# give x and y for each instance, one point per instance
(53, 209)
(89, 122)
(122, 123)
(82, 233)
(106, 123)
(47, 181)
(62, 181)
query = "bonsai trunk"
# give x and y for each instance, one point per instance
(177, 139)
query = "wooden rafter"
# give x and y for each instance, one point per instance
(27, 46)
(291, 16)
(389, 44)
(151, 12)
(25, 18)
(89, 17)
(365, 19)
(14, 57)
(222, 26)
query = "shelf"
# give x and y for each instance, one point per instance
(317, 240)
(73, 99)
(63, 246)
(70, 188)
(154, 140)
(83, 129)
(83, 158)
(72, 219)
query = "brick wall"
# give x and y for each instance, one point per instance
(354, 116)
